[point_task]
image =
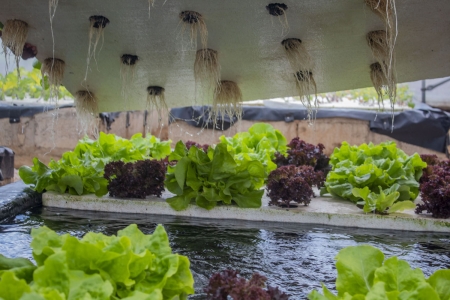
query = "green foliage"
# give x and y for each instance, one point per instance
(369, 95)
(214, 177)
(80, 171)
(30, 85)
(131, 266)
(363, 273)
(377, 176)
(261, 142)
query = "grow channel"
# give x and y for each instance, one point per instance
(294, 257)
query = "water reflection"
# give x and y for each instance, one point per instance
(295, 257)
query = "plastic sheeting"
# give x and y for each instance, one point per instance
(14, 112)
(424, 126)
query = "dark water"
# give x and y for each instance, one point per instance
(297, 258)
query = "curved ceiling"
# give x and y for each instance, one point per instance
(247, 38)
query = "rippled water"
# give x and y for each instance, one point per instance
(297, 258)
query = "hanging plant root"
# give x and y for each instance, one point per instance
(196, 24)
(86, 105)
(378, 43)
(379, 80)
(279, 10)
(307, 91)
(127, 71)
(14, 36)
(296, 54)
(156, 101)
(301, 65)
(97, 26)
(385, 9)
(276, 9)
(207, 69)
(54, 69)
(227, 102)
(383, 87)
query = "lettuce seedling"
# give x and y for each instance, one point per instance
(365, 172)
(80, 171)
(208, 179)
(128, 266)
(301, 153)
(435, 189)
(260, 142)
(135, 180)
(364, 273)
(291, 183)
(227, 283)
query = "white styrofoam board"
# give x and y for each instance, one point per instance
(322, 210)
(246, 36)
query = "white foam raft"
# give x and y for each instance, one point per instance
(322, 210)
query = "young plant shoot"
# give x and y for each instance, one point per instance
(207, 71)
(279, 10)
(227, 101)
(14, 36)
(301, 65)
(96, 29)
(194, 23)
(86, 105)
(127, 71)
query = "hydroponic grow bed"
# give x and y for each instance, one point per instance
(322, 210)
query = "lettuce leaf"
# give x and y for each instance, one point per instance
(377, 176)
(80, 171)
(208, 179)
(363, 273)
(260, 143)
(130, 266)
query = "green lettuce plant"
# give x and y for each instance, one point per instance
(260, 142)
(80, 171)
(29, 85)
(364, 273)
(131, 266)
(208, 179)
(381, 178)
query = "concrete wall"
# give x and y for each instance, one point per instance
(34, 137)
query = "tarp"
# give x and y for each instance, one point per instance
(14, 111)
(423, 126)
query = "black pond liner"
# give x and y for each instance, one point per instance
(276, 9)
(423, 126)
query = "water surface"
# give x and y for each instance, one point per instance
(297, 258)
